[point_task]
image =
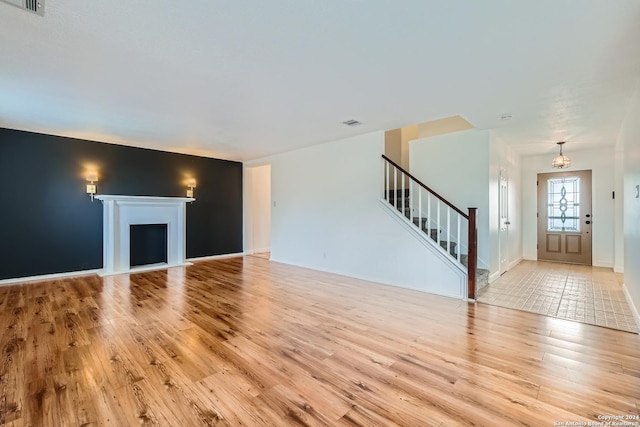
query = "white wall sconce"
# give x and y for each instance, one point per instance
(92, 178)
(191, 184)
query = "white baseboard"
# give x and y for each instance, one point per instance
(144, 268)
(48, 277)
(257, 251)
(493, 277)
(514, 263)
(602, 264)
(634, 309)
(462, 277)
(98, 271)
(212, 257)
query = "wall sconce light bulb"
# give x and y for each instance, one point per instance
(92, 177)
(191, 184)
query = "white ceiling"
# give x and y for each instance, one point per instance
(243, 79)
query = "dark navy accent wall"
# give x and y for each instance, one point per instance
(49, 225)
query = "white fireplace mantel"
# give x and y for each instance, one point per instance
(120, 212)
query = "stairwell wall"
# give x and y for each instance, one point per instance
(326, 215)
(479, 158)
(629, 142)
(456, 166)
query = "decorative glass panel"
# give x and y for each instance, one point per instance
(563, 212)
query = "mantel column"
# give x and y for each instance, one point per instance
(109, 236)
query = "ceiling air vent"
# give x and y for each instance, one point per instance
(352, 123)
(35, 6)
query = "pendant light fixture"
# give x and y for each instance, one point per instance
(561, 161)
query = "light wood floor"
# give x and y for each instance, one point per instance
(246, 341)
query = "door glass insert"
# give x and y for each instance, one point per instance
(563, 195)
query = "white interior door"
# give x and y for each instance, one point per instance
(504, 223)
(257, 209)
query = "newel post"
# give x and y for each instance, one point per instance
(472, 264)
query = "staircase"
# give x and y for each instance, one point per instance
(402, 202)
(439, 221)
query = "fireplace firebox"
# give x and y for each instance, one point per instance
(148, 244)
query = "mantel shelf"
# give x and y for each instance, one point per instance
(154, 199)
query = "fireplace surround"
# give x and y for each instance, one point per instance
(120, 212)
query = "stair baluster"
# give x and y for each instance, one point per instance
(395, 187)
(459, 254)
(404, 206)
(438, 223)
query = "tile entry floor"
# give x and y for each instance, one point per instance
(581, 293)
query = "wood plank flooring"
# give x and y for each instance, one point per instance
(249, 342)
